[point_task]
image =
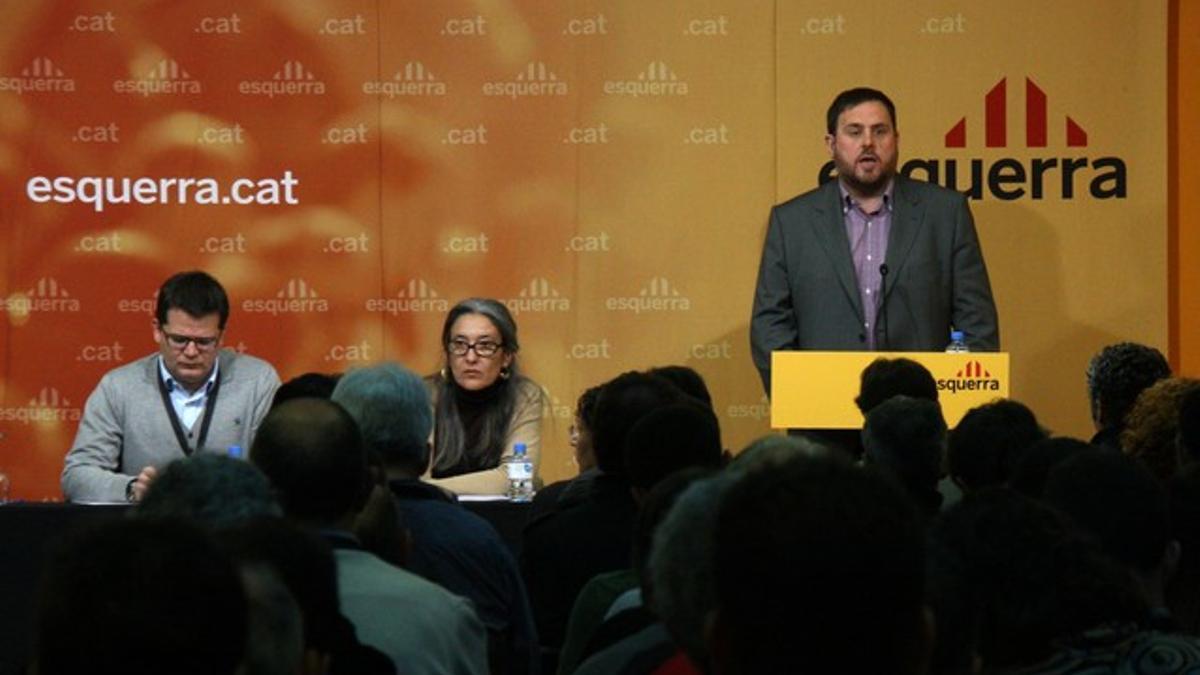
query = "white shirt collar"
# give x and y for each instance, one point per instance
(169, 380)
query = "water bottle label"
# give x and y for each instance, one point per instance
(519, 470)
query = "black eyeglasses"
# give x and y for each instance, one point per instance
(483, 348)
(180, 342)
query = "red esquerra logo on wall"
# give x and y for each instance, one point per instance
(1010, 178)
(972, 376)
(1059, 167)
(995, 117)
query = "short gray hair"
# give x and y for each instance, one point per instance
(391, 405)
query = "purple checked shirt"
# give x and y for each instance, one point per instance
(868, 235)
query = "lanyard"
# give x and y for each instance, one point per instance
(210, 404)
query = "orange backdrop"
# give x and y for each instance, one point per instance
(604, 167)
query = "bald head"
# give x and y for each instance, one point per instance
(312, 452)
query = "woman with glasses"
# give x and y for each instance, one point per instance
(482, 405)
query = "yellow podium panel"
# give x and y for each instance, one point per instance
(816, 390)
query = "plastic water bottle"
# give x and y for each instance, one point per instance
(957, 344)
(520, 475)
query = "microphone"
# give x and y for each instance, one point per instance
(881, 313)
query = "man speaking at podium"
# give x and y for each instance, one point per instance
(872, 260)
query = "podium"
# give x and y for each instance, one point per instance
(816, 390)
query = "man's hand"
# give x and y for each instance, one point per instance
(142, 483)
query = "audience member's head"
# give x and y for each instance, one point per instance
(682, 564)
(819, 568)
(311, 451)
(885, 378)
(671, 438)
(622, 402)
(906, 437)
(777, 449)
(1124, 506)
(581, 429)
(391, 406)
(305, 564)
(1029, 474)
(1031, 578)
(215, 490)
(1189, 427)
(1152, 425)
(687, 379)
(274, 625)
(989, 441)
(140, 596)
(308, 385)
(1115, 377)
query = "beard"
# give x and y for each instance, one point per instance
(872, 186)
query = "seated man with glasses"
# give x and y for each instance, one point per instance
(191, 396)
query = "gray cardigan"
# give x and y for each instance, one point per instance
(125, 426)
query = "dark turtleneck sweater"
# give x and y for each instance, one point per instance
(472, 411)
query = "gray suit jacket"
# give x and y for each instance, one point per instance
(807, 295)
(125, 426)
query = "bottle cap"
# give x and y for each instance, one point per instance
(519, 449)
(956, 335)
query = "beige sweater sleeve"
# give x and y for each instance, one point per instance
(525, 427)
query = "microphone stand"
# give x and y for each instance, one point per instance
(881, 319)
